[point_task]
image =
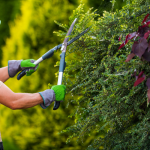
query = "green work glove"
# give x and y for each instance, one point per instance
(60, 91)
(56, 93)
(28, 64)
(15, 66)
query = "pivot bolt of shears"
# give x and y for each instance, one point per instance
(63, 45)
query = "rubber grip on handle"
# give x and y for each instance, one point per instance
(56, 105)
(21, 74)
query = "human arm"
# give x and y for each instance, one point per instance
(4, 74)
(14, 66)
(18, 100)
(27, 100)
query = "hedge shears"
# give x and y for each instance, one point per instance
(50, 53)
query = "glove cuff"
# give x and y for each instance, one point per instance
(13, 67)
(48, 97)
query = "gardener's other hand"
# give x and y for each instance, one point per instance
(15, 66)
(56, 93)
(29, 65)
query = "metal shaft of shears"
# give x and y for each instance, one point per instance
(62, 61)
(50, 52)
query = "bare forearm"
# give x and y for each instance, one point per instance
(26, 100)
(18, 100)
(4, 74)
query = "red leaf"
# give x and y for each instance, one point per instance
(126, 40)
(148, 22)
(122, 45)
(130, 36)
(140, 47)
(142, 30)
(141, 73)
(129, 57)
(139, 80)
(144, 20)
(134, 45)
(146, 56)
(146, 35)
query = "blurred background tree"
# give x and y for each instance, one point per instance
(27, 32)
(8, 11)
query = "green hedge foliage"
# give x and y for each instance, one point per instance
(107, 107)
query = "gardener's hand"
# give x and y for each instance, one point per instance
(28, 64)
(56, 93)
(14, 66)
(60, 91)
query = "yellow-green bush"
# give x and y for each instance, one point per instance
(31, 35)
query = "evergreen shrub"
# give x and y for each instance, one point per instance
(107, 106)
